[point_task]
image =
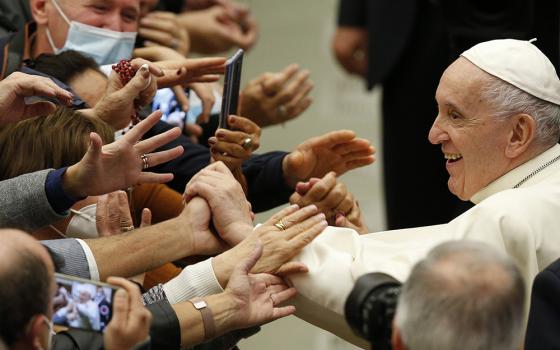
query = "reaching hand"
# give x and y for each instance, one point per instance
(338, 151)
(299, 228)
(130, 324)
(333, 199)
(273, 98)
(190, 70)
(112, 215)
(257, 296)
(351, 50)
(226, 26)
(17, 86)
(117, 105)
(230, 210)
(118, 165)
(160, 28)
(230, 147)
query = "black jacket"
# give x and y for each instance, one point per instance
(544, 314)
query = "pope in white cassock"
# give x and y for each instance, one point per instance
(498, 125)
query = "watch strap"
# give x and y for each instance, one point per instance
(207, 317)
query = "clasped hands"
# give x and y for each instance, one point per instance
(249, 258)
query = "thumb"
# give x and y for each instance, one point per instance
(139, 82)
(295, 161)
(94, 150)
(120, 309)
(248, 263)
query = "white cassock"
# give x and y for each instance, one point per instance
(518, 214)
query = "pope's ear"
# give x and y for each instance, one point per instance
(39, 11)
(521, 135)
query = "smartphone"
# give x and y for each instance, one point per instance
(232, 80)
(82, 304)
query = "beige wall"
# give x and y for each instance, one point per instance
(300, 31)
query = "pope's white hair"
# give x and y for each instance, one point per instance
(508, 100)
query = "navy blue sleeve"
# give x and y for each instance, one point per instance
(58, 199)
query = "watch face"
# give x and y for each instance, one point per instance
(200, 304)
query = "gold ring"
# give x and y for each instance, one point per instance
(280, 225)
(145, 164)
(247, 144)
(127, 228)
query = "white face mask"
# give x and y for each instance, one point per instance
(83, 224)
(103, 45)
(49, 324)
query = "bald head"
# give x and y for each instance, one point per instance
(26, 284)
(14, 243)
(471, 296)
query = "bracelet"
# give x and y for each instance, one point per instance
(207, 317)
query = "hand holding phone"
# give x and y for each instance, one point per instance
(82, 304)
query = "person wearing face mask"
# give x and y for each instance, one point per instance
(105, 46)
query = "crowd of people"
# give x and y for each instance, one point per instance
(113, 169)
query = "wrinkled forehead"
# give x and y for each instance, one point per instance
(461, 84)
(79, 6)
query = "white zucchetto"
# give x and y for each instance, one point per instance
(520, 63)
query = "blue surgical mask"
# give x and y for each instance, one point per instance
(103, 45)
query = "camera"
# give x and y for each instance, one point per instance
(370, 308)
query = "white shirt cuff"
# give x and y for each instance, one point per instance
(92, 264)
(196, 280)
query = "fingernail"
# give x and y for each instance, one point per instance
(312, 206)
(212, 141)
(220, 133)
(231, 119)
(144, 71)
(322, 216)
(339, 215)
(324, 223)
(357, 203)
(294, 206)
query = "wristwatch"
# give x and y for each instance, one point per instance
(207, 317)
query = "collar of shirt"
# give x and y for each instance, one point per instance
(523, 174)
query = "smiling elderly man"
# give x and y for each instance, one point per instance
(498, 124)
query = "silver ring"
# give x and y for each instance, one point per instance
(280, 225)
(127, 228)
(271, 298)
(247, 144)
(145, 164)
(282, 111)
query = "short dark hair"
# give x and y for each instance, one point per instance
(24, 293)
(64, 66)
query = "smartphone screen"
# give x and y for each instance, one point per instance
(232, 80)
(82, 304)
